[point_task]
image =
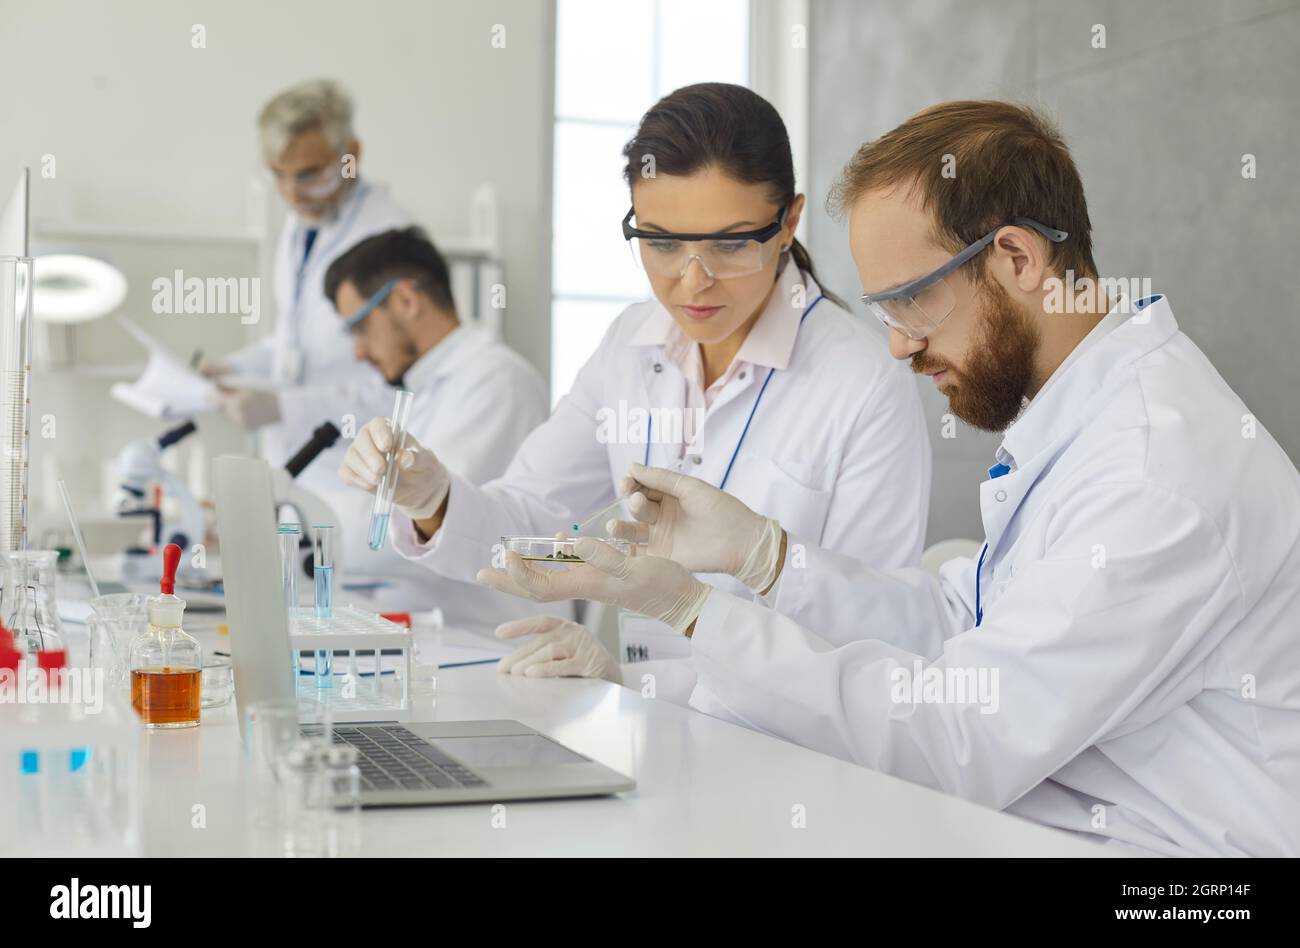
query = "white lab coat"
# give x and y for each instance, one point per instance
(309, 352)
(1141, 601)
(475, 402)
(836, 450)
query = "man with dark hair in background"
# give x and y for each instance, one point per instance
(474, 397)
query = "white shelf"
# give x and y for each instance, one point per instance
(143, 232)
(108, 373)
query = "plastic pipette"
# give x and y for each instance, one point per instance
(579, 527)
(76, 535)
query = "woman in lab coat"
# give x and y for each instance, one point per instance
(741, 371)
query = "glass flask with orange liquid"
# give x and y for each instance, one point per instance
(166, 663)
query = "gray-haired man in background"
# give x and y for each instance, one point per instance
(306, 366)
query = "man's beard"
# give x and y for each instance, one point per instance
(992, 387)
(320, 213)
(412, 354)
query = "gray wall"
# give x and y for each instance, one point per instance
(1158, 122)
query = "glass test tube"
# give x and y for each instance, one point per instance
(383, 507)
(290, 535)
(323, 571)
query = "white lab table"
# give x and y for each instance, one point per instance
(704, 787)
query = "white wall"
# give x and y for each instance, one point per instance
(1158, 121)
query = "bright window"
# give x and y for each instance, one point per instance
(612, 62)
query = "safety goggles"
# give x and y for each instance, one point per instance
(314, 185)
(918, 307)
(723, 256)
(353, 322)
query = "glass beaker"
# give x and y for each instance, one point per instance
(320, 800)
(118, 618)
(28, 603)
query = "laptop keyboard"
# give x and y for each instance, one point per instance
(392, 758)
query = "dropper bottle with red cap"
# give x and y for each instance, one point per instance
(166, 663)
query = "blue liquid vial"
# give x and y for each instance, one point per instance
(378, 530)
(324, 610)
(323, 572)
(324, 592)
(383, 505)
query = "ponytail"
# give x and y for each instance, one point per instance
(799, 254)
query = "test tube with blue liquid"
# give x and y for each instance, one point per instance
(323, 571)
(383, 508)
(290, 535)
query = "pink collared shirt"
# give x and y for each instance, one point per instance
(769, 345)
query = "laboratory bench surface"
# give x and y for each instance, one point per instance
(704, 788)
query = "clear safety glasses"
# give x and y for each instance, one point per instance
(918, 307)
(723, 256)
(353, 322)
(315, 185)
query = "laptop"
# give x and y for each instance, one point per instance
(401, 763)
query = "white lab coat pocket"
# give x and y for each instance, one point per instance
(1003, 576)
(784, 491)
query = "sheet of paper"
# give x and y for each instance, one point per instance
(446, 647)
(168, 388)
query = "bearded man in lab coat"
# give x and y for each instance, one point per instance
(303, 373)
(1121, 659)
(473, 396)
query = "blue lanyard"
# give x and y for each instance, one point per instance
(979, 612)
(770, 372)
(997, 470)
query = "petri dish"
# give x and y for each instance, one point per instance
(218, 685)
(558, 552)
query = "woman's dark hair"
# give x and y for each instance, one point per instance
(717, 124)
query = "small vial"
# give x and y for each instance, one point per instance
(323, 571)
(290, 538)
(383, 507)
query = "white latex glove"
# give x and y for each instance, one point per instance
(562, 649)
(705, 529)
(649, 585)
(422, 480)
(250, 406)
(214, 370)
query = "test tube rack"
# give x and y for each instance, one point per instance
(361, 693)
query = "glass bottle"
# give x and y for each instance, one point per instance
(166, 663)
